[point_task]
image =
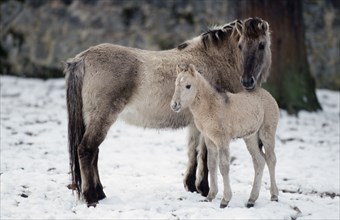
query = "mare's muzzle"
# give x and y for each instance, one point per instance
(248, 83)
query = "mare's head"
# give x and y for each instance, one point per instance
(185, 88)
(254, 47)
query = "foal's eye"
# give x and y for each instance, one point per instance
(240, 47)
(188, 86)
(261, 46)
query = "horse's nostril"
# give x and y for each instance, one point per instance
(252, 81)
(175, 106)
(248, 83)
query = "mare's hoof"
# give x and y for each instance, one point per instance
(203, 188)
(101, 195)
(91, 198)
(92, 204)
(250, 205)
(100, 192)
(274, 198)
(189, 183)
(223, 204)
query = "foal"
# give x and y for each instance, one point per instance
(220, 117)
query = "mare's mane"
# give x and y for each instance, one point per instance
(216, 35)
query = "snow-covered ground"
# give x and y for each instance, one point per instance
(142, 169)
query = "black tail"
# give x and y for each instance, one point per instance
(74, 71)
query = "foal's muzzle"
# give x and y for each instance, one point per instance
(248, 83)
(175, 106)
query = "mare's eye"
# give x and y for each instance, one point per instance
(240, 46)
(188, 86)
(261, 46)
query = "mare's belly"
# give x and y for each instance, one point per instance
(154, 114)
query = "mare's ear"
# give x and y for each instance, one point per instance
(264, 26)
(192, 69)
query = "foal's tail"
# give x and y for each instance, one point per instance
(74, 71)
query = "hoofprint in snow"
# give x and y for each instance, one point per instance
(142, 169)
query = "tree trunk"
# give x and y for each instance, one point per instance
(290, 81)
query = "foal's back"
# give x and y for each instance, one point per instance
(248, 111)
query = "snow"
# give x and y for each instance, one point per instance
(142, 169)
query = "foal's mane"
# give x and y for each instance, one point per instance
(216, 35)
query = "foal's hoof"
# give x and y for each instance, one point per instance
(274, 198)
(223, 204)
(250, 204)
(210, 198)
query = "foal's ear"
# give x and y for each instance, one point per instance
(178, 69)
(192, 69)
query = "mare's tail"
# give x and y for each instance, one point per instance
(74, 71)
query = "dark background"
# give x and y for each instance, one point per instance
(38, 35)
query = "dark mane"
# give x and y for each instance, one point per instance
(182, 46)
(222, 93)
(217, 35)
(214, 37)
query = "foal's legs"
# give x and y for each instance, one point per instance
(212, 166)
(224, 157)
(269, 146)
(258, 162)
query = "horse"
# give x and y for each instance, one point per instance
(108, 81)
(221, 117)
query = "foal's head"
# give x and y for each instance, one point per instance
(185, 88)
(254, 46)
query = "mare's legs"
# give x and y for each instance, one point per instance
(201, 183)
(258, 162)
(212, 167)
(190, 174)
(269, 146)
(224, 159)
(99, 187)
(88, 150)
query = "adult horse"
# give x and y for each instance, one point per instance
(109, 81)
